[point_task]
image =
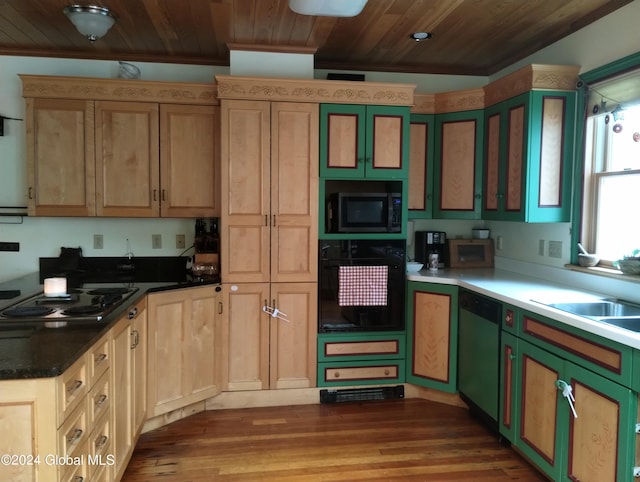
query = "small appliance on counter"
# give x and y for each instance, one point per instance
(432, 242)
(206, 261)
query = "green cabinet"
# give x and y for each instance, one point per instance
(361, 358)
(432, 335)
(528, 157)
(364, 141)
(458, 165)
(421, 160)
(544, 368)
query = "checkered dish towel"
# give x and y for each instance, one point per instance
(362, 285)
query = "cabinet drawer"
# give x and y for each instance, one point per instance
(76, 471)
(99, 360)
(99, 446)
(349, 347)
(99, 399)
(73, 433)
(600, 355)
(71, 388)
(360, 373)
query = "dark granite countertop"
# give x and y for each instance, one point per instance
(31, 350)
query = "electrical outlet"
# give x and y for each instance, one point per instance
(555, 249)
(500, 243)
(541, 247)
(98, 241)
(156, 241)
(180, 241)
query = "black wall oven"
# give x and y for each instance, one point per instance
(361, 285)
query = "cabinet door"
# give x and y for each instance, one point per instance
(189, 160)
(458, 169)
(60, 157)
(246, 331)
(181, 348)
(387, 142)
(540, 402)
(292, 343)
(246, 184)
(601, 440)
(294, 192)
(342, 145)
(432, 335)
(127, 159)
(420, 198)
(139, 360)
(122, 384)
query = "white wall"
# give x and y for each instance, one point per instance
(609, 39)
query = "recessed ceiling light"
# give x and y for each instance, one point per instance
(420, 36)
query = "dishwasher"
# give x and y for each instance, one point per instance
(479, 321)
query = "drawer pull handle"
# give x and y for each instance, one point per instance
(101, 442)
(77, 433)
(100, 400)
(136, 339)
(100, 358)
(78, 478)
(74, 387)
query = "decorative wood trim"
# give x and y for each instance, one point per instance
(602, 356)
(459, 101)
(424, 104)
(324, 91)
(535, 76)
(280, 49)
(118, 90)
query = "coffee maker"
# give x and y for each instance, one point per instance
(206, 243)
(429, 242)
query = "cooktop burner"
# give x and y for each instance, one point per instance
(88, 305)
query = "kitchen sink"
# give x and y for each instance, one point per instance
(599, 309)
(628, 323)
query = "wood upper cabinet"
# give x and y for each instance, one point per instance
(420, 179)
(127, 159)
(432, 335)
(92, 151)
(266, 352)
(60, 157)
(269, 216)
(458, 165)
(528, 157)
(364, 141)
(184, 347)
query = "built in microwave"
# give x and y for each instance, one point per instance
(365, 213)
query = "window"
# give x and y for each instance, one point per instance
(611, 201)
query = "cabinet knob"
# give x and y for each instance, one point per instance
(336, 374)
(512, 356)
(386, 372)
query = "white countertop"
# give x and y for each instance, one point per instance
(520, 290)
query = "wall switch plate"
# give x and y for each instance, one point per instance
(541, 247)
(98, 241)
(555, 249)
(156, 241)
(6, 246)
(180, 241)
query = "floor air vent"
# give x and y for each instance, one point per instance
(361, 394)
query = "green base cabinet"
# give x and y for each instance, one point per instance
(570, 420)
(432, 335)
(361, 358)
(528, 157)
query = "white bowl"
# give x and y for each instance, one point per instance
(414, 266)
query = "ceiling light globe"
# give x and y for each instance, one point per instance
(91, 21)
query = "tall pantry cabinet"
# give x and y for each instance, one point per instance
(269, 232)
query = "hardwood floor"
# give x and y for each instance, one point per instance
(405, 440)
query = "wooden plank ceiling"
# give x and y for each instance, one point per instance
(470, 37)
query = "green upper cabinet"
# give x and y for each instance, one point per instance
(364, 141)
(421, 146)
(458, 165)
(528, 157)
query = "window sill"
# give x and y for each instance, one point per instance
(606, 272)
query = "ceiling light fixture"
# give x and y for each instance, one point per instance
(91, 21)
(420, 36)
(328, 8)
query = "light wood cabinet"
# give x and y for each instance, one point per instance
(94, 150)
(266, 352)
(184, 348)
(432, 335)
(269, 244)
